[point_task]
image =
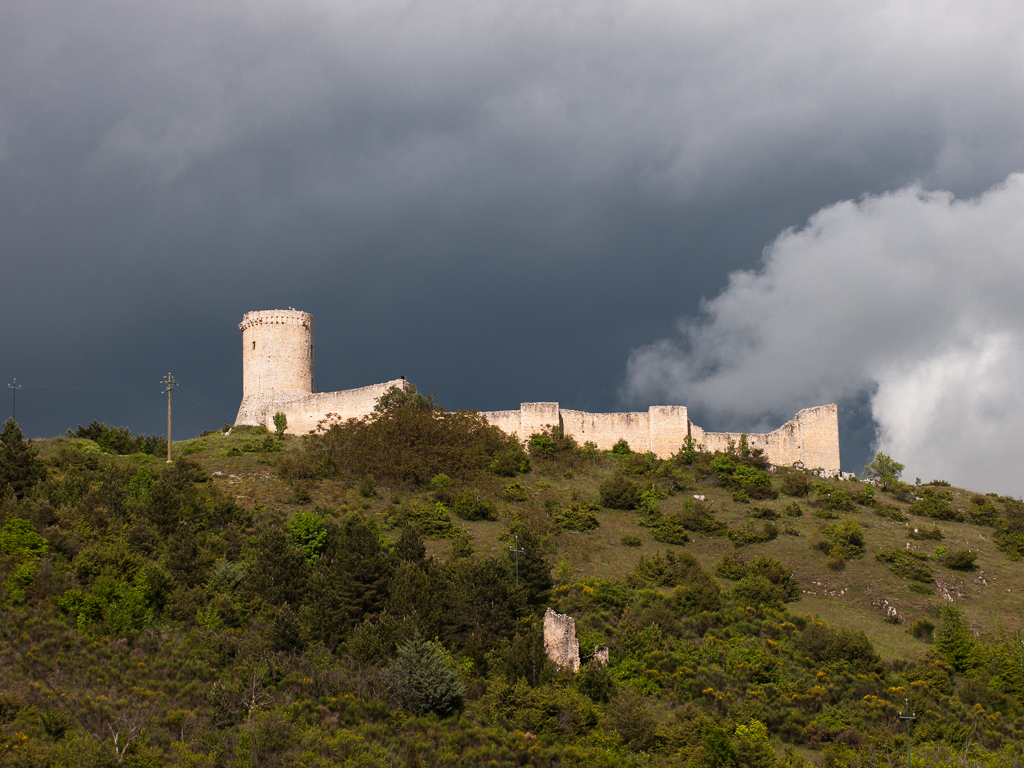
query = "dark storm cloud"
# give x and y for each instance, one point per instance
(498, 200)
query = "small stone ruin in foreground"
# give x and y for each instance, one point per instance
(561, 644)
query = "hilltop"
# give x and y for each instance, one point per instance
(270, 584)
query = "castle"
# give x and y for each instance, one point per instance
(277, 377)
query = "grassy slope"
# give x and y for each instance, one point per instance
(854, 597)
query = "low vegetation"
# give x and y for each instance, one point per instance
(372, 595)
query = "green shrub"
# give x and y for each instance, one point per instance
(749, 535)
(890, 512)
(793, 510)
(631, 540)
(865, 496)
(763, 513)
(469, 506)
(776, 573)
(119, 440)
(927, 534)
(515, 492)
(795, 484)
(697, 517)
(669, 570)
(698, 595)
(670, 529)
(742, 478)
(432, 520)
(20, 467)
(731, 567)
(367, 487)
(908, 563)
(688, 453)
(982, 511)
(408, 440)
(280, 425)
(308, 532)
(595, 681)
(754, 589)
(923, 630)
(553, 444)
(832, 498)
(741, 497)
(639, 464)
(440, 481)
(960, 560)
(937, 504)
(621, 447)
(577, 516)
(618, 492)
(844, 540)
(825, 645)
(301, 494)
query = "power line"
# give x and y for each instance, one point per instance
(67, 384)
(191, 394)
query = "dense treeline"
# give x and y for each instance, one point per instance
(156, 617)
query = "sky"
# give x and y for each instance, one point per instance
(741, 207)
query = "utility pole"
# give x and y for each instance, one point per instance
(515, 548)
(169, 386)
(14, 406)
(908, 718)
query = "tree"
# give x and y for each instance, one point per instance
(885, 470)
(20, 467)
(954, 639)
(423, 680)
(280, 425)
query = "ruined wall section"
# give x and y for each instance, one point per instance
(810, 438)
(277, 361)
(306, 413)
(560, 641)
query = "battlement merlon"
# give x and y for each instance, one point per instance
(276, 317)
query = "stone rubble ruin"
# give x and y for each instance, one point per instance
(561, 644)
(560, 641)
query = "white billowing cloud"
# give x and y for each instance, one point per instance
(912, 296)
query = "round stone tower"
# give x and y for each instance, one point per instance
(277, 361)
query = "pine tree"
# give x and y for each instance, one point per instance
(20, 467)
(954, 639)
(423, 680)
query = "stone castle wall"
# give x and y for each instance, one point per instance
(810, 438)
(305, 414)
(277, 376)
